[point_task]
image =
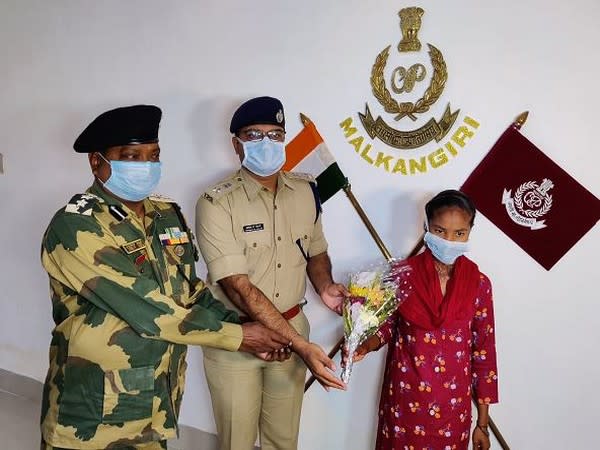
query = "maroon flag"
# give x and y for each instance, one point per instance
(531, 199)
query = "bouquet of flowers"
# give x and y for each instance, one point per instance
(374, 296)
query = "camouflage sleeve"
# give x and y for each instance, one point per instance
(81, 254)
(206, 299)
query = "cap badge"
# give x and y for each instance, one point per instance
(279, 116)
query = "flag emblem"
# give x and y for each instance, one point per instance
(536, 203)
(530, 202)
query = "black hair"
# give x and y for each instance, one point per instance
(448, 198)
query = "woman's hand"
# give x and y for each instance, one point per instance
(481, 438)
(280, 355)
(372, 343)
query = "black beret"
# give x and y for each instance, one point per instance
(128, 125)
(259, 110)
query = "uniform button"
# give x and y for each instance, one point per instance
(279, 265)
(305, 236)
(277, 294)
(254, 245)
(274, 206)
(278, 238)
(239, 178)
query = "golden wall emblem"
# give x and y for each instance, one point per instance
(410, 23)
(397, 89)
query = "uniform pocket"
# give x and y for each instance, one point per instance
(80, 403)
(128, 394)
(258, 240)
(258, 248)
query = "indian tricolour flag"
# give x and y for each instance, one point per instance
(308, 153)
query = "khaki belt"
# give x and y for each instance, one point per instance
(287, 315)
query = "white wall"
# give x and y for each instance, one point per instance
(63, 62)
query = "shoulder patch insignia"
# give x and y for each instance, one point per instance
(83, 204)
(301, 176)
(223, 188)
(161, 198)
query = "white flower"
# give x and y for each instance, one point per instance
(368, 319)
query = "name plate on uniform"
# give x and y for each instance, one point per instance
(254, 227)
(133, 246)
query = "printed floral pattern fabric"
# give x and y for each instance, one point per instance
(430, 376)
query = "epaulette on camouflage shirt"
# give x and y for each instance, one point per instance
(126, 302)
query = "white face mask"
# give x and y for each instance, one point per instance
(132, 180)
(263, 158)
(444, 250)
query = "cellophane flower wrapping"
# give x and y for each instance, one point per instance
(374, 296)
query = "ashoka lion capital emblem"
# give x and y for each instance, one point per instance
(530, 202)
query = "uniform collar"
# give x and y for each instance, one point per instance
(253, 187)
(97, 190)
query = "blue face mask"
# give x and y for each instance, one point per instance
(132, 180)
(444, 250)
(263, 158)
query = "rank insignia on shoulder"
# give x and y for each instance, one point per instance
(133, 246)
(173, 236)
(161, 198)
(219, 190)
(82, 204)
(301, 176)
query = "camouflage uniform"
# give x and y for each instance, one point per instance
(126, 302)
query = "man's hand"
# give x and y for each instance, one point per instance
(481, 441)
(333, 296)
(320, 365)
(258, 339)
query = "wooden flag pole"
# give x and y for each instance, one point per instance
(518, 123)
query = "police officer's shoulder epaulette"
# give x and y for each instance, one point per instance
(161, 198)
(301, 176)
(219, 190)
(83, 204)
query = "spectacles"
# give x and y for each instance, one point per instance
(252, 134)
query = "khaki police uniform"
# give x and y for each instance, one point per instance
(126, 302)
(243, 228)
